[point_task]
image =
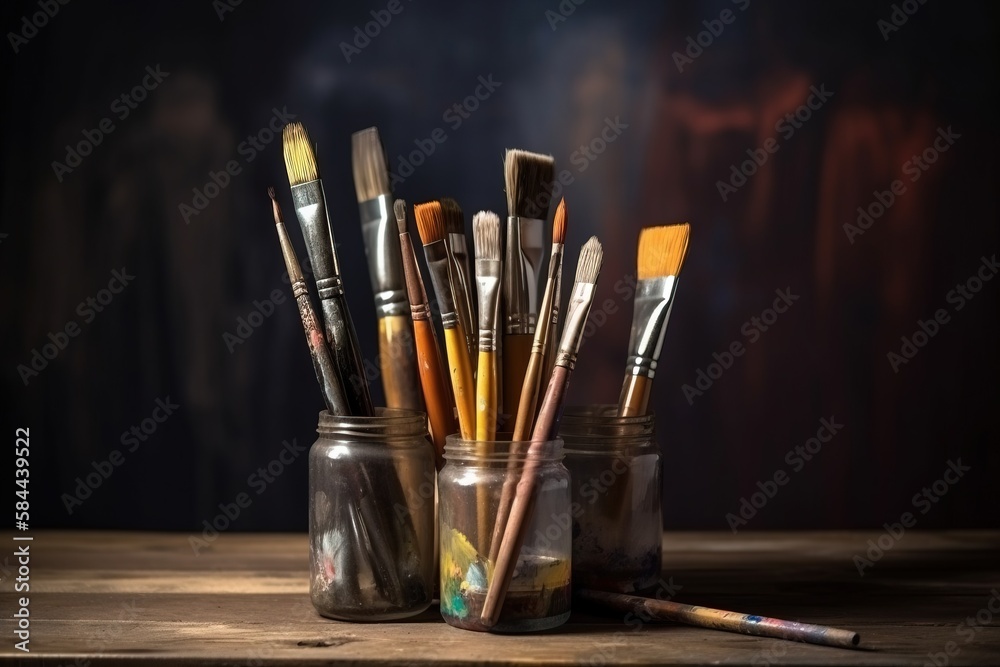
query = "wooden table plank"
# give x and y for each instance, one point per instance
(147, 598)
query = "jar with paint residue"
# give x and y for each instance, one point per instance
(475, 486)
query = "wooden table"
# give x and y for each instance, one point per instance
(146, 598)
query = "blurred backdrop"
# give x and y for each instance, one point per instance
(130, 257)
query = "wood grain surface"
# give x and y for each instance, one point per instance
(102, 598)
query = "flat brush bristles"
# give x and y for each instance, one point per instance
(454, 219)
(589, 265)
(559, 223)
(300, 161)
(399, 209)
(662, 250)
(486, 235)
(371, 170)
(528, 178)
(430, 222)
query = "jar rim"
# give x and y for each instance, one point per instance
(599, 425)
(458, 449)
(386, 422)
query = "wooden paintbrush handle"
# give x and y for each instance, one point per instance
(635, 396)
(516, 353)
(522, 429)
(437, 398)
(486, 420)
(524, 498)
(398, 362)
(461, 381)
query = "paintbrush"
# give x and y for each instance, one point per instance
(528, 178)
(558, 250)
(310, 209)
(430, 225)
(397, 353)
(326, 373)
(461, 286)
(541, 347)
(717, 619)
(437, 396)
(375, 538)
(581, 298)
(486, 238)
(661, 254)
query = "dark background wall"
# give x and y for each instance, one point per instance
(682, 129)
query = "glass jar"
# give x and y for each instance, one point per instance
(470, 489)
(617, 519)
(371, 528)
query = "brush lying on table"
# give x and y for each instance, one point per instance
(717, 619)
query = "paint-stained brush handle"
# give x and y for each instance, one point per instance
(398, 362)
(718, 619)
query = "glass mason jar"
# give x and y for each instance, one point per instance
(617, 519)
(476, 478)
(371, 528)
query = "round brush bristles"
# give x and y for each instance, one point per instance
(589, 265)
(399, 209)
(371, 168)
(559, 223)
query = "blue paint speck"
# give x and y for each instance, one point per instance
(754, 619)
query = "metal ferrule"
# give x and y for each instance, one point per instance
(576, 319)
(654, 297)
(299, 289)
(488, 282)
(385, 262)
(557, 259)
(532, 251)
(548, 297)
(437, 265)
(310, 209)
(518, 318)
